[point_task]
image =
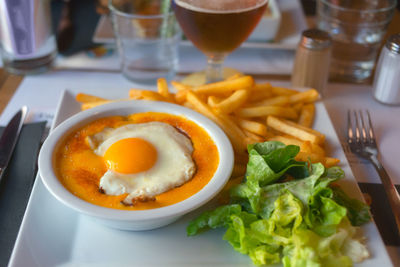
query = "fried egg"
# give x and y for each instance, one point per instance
(143, 160)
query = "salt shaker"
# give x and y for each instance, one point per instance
(386, 86)
(311, 65)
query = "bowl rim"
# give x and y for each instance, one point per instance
(211, 189)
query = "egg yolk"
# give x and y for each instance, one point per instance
(130, 155)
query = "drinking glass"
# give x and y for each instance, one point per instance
(147, 37)
(357, 28)
(218, 27)
(27, 44)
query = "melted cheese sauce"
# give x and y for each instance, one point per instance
(80, 169)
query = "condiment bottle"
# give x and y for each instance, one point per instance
(311, 65)
(386, 86)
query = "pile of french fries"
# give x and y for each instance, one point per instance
(248, 112)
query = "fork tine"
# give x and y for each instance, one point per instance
(357, 127)
(364, 136)
(370, 129)
(350, 133)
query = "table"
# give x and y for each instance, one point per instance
(338, 98)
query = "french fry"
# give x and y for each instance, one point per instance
(180, 86)
(146, 95)
(253, 126)
(200, 106)
(180, 96)
(84, 98)
(228, 121)
(241, 158)
(306, 117)
(326, 161)
(238, 170)
(273, 101)
(233, 102)
(234, 135)
(283, 112)
(89, 105)
(150, 95)
(213, 101)
(317, 149)
(286, 140)
(135, 93)
(242, 82)
(162, 88)
(308, 96)
(321, 137)
(306, 147)
(266, 87)
(298, 106)
(259, 95)
(188, 105)
(252, 138)
(303, 156)
(295, 130)
(329, 162)
(283, 91)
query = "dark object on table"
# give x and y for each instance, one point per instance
(309, 7)
(381, 212)
(16, 186)
(74, 22)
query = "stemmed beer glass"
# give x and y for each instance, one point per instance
(217, 27)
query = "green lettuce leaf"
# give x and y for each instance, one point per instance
(213, 219)
(357, 211)
(340, 249)
(269, 161)
(302, 222)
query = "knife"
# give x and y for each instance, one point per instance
(9, 138)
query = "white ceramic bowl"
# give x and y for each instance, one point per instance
(141, 219)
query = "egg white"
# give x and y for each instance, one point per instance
(174, 165)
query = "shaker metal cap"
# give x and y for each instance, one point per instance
(316, 39)
(393, 43)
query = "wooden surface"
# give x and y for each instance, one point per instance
(9, 82)
(8, 85)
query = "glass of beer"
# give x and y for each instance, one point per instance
(218, 27)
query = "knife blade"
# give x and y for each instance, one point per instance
(9, 138)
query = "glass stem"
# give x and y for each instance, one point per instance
(214, 70)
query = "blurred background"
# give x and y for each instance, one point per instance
(75, 21)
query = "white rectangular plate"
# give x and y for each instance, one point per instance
(54, 235)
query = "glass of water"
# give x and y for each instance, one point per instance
(147, 37)
(357, 28)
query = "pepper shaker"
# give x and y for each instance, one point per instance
(386, 86)
(311, 66)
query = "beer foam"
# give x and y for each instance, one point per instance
(219, 7)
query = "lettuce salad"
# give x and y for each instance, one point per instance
(289, 211)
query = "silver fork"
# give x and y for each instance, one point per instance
(362, 142)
